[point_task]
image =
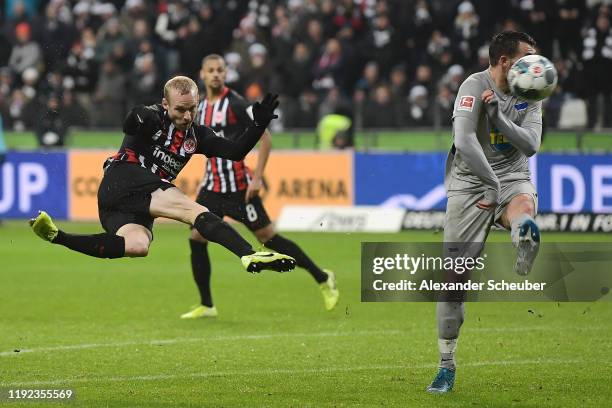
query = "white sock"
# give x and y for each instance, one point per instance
(447, 352)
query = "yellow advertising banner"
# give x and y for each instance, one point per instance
(306, 178)
(291, 178)
(84, 175)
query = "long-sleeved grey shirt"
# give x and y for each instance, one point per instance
(491, 145)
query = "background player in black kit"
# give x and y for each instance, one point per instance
(230, 188)
(159, 141)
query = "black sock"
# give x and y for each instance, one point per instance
(216, 230)
(200, 265)
(103, 245)
(287, 247)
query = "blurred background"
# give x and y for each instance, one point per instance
(376, 75)
(384, 63)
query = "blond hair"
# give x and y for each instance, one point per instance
(182, 84)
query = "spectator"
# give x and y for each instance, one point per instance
(418, 113)
(296, 72)
(144, 80)
(56, 36)
(453, 78)
(233, 77)
(282, 35)
(466, 32)
(108, 38)
(380, 111)
(443, 107)
(399, 83)
(191, 52)
(80, 69)
(5, 48)
(110, 95)
(329, 68)
(381, 44)
(19, 14)
(314, 37)
(258, 70)
(539, 18)
(72, 113)
(82, 15)
(571, 15)
(370, 77)
(167, 26)
(306, 112)
(141, 32)
(26, 53)
(133, 11)
(424, 77)
(29, 80)
(597, 61)
(6, 84)
(51, 131)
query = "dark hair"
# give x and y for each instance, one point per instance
(507, 43)
(211, 57)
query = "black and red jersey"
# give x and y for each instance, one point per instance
(228, 116)
(156, 144)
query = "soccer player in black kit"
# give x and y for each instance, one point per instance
(230, 188)
(136, 187)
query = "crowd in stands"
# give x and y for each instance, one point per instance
(385, 63)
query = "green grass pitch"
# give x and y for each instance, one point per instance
(110, 331)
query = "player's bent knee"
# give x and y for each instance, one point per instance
(137, 248)
(265, 234)
(196, 236)
(523, 203)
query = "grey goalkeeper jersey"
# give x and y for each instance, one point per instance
(506, 136)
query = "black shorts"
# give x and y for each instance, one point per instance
(124, 196)
(252, 214)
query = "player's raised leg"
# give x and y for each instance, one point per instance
(518, 217)
(130, 240)
(173, 204)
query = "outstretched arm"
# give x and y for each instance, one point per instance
(216, 146)
(528, 136)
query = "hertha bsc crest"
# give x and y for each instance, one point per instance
(190, 145)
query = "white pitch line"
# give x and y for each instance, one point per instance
(194, 340)
(323, 370)
(179, 340)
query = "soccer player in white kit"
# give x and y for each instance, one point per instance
(487, 178)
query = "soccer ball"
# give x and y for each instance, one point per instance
(532, 78)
